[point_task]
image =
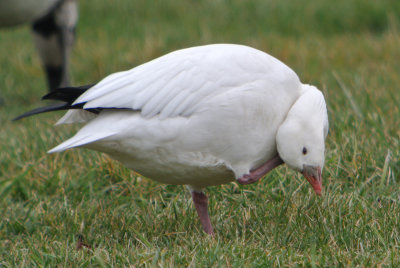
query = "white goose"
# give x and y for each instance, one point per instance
(202, 116)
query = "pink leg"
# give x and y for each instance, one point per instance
(200, 201)
(260, 172)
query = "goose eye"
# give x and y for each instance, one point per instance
(304, 150)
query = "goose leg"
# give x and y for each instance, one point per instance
(200, 201)
(54, 35)
(258, 173)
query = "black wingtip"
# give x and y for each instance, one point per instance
(67, 94)
(49, 108)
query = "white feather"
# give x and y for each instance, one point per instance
(201, 116)
(186, 76)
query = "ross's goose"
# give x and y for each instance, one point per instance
(202, 116)
(53, 27)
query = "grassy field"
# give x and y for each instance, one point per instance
(350, 50)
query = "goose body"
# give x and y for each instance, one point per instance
(203, 116)
(14, 12)
(206, 116)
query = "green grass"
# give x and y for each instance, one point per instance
(349, 49)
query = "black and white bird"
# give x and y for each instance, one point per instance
(202, 116)
(53, 27)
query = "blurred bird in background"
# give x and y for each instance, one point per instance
(53, 27)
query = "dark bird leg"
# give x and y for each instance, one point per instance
(258, 173)
(54, 36)
(200, 201)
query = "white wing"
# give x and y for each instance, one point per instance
(178, 83)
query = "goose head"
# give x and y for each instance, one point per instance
(301, 136)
